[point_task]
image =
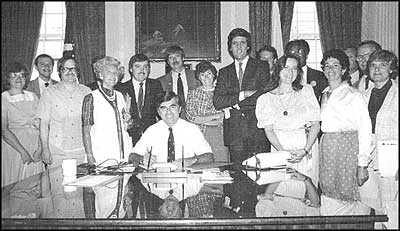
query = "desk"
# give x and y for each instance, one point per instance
(67, 210)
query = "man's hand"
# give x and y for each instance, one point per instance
(26, 158)
(146, 162)
(362, 175)
(90, 158)
(187, 162)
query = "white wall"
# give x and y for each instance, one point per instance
(120, 32)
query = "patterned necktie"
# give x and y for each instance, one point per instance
(240, 75)
(46, 84)
(180, 88)
(171, 146)
(140, 100)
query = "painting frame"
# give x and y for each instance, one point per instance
(195, 27)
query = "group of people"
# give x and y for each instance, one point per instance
(331, 121)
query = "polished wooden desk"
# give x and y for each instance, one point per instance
(69, 211)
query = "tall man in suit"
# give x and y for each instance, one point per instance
(44, 64)
(238, 86)
(140, 93)
(315, 78)
(179, 79)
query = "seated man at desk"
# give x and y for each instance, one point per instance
(171, 138)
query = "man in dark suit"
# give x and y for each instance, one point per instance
(315, 78)
(179, 79)
(140, 93)
(44, 64)
(238, 86)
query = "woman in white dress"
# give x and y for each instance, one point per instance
(290, 116)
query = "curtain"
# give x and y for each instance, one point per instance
(339, 24)
(286, 12)
(260, 24)
(20, 30)
(85, 28)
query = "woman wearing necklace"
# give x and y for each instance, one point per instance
(104, 115)
(200, 110)
(290, 116)
(20, 149)
(345, 142)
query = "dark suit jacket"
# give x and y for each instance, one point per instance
(149, 113)
(319, 78)
(242, 123)
(33, 86)
(192, 82)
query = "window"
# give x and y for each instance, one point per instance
(52, 32)
(305, 26)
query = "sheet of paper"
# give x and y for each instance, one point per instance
(388, 157)
(266, 177)
(93, 180)
(268, 159)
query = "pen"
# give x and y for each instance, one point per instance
(148, 163)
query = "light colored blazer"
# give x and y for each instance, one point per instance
(33, 86)
(387, 119)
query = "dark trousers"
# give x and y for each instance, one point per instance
(247, 147)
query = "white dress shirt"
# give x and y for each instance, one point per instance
(304, 78)
(187, 136)
(347, 110)
(136, 86)
(42, 87)
(175, 82)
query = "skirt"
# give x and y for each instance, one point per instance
(338, 165)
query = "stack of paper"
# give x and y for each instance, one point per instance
(268, 159)
(93, 180)
(216, 177)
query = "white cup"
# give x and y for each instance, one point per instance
(69, 167)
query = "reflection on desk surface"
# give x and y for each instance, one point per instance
(45, 196)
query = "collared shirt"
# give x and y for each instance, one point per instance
(175, 82)
(187, 136)
(63, 109)
(304, 79)
(376, 100)
(136, 86)
(244, 64)
(347, 110)
(42, 86)
(355, 77)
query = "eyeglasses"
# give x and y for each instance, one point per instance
(363, 57)
(17, 75)
(66, 69)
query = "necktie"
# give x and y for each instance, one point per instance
(180, 88)
(240, 75)
(46, 84)
(171, 146)
(140, 100)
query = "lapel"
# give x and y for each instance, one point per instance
(169, 81)
(232, 73)
(131, 92)
(248, 72)
(389, 97)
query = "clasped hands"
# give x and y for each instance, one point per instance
(296, 155)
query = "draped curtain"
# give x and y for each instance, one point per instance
(286, 12)
(20, 30)
(85, 28)
(339, 24)
(260, 24)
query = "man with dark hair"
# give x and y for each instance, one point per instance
(315, 78)
(171, 138)
(238, 86)
(44, 64)
(268, 53)
(364, 50)
(140, 93)
(179, 79)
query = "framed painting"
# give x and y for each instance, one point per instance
(194, 26)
